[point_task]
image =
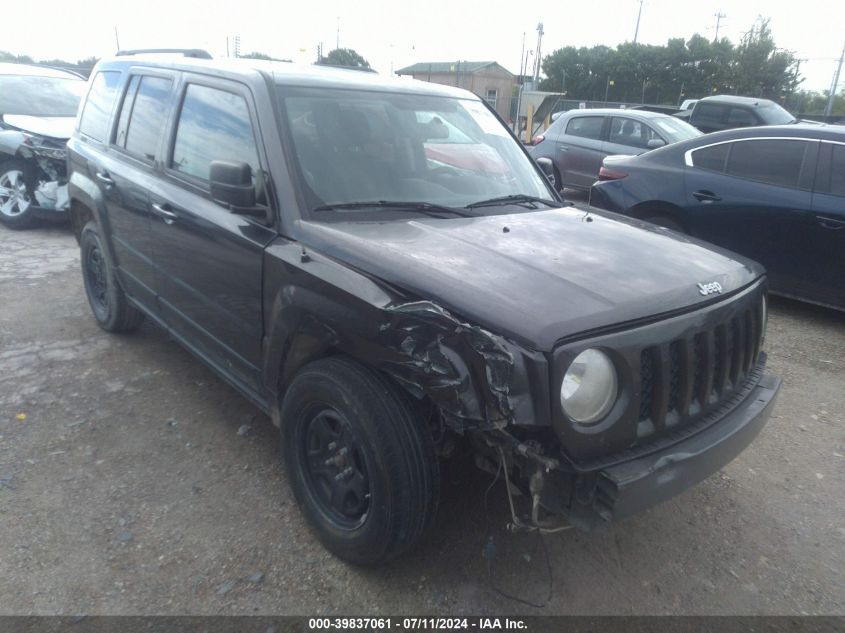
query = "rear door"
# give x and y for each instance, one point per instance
(753, 196)
(580, 150)
(209, 259)
(828, 227)
(129, 173)
(125, 222)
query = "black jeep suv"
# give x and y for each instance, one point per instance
(380, 266)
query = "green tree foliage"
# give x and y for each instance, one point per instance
(681, 69)
(345, 57)
(6, 56)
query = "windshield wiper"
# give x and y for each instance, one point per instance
(516, 198)
(426, 208)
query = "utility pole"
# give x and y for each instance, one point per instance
(116, 39)
(639, 15)
(337, 39)
(719, 17)
(829, 109)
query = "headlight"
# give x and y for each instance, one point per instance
(589, 387)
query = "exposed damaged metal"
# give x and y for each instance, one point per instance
(464, 369)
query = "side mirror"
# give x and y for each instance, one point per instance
(655, 143)
(548, 168)
(231, 186)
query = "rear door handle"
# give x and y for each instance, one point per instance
(163, 211)
(103, 177)
(830, 223)
(703, 195)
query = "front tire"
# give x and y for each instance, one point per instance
(16, 200)
(108, 302)
(360, 460)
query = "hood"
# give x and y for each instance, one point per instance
(57, 127)
(538, 277)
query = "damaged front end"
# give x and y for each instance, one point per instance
(35, 169)
(682, 411)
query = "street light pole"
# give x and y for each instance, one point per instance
(639, 14)
(829, 109)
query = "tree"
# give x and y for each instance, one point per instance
(681, 69)
(344, 57)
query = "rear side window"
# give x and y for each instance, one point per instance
(585, 127)
(148, 115)
(837, 171)
(712, 158)
(213, 125)
(777, 162)
(95, 115)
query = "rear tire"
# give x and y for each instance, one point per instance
(360, 461)
(16, 200)
(108, 302)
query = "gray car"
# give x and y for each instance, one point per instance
(578, 140)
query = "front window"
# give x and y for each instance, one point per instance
(40, 96)
(673, 130)
(773, 114)
(355, 146)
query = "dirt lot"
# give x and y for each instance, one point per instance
(133, 481)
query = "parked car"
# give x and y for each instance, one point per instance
(725, 112)
(37, 111)
(773, 194)
(579, 140)
(383, 305)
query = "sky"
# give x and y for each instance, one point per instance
(395, 34)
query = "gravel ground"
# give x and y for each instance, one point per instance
(134, 481)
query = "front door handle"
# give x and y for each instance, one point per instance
(103, 177)
(703, 195)
(830, 223)
(163, 211)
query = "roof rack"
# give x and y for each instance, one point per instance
(196, 53)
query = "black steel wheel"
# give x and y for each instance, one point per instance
(360, 460)
(110, 305)
(96, 285)
(335, 468)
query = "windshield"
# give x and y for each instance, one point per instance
(775, 115)
(40, 96)
(356, 146)
(674, 130)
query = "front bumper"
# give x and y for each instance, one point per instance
(631, 486)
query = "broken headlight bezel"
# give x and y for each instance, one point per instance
(38, 148)
(593, 374)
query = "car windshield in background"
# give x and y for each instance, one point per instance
(674, 129)
(40, 96)
(775, 115)
(358, 146)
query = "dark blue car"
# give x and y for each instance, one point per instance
(774, 194)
